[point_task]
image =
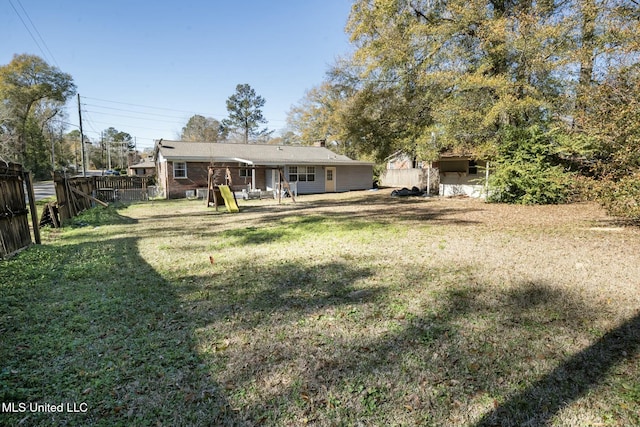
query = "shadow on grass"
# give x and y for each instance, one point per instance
(297, 227)
(93, 324)
(572, 379)
(534, 311)
(314, 340)
(425, 370)
(254, 293)
(377, 208)
(255, 235)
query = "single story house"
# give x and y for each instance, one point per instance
(145, 168)
(183, 167)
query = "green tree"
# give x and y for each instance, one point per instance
(245, 113)
(364, 118)
(527, 169)
(314, 116)
(114, 150)
(477, 72)
(32, 94)
(488, 64)
(203, 129)
(611, 120)
(72, 141)
(67, 154)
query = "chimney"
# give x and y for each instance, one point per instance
(320, 143)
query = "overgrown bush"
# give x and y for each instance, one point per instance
(622, 198)
(526, 171)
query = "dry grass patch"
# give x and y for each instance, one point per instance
(360, 309)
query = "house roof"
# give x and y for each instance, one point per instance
(400, 154)
(253, 154)
(143, 165)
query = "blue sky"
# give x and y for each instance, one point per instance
(146, 67)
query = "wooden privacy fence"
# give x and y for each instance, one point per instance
(420, 178)
(78, 194)
(14, 214)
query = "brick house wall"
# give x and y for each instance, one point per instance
(198, 173)
(241, 182)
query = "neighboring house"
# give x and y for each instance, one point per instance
(404, 171)
(401, 161)
(146, 168)
(183, 166)
(462, 175)
(450, 175)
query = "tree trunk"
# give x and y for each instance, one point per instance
(589, 13)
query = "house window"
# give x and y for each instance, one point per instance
(244, 173)
(473, 167)
(179, 170)
(302, 173)
(293, 173)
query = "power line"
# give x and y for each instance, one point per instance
(154, 108)
(27, 28)
(130, 111)
(35, 29)
(133, 117)
(89, 121)
(124, 128)
(134, 113)
(39, 35)
(148, 106)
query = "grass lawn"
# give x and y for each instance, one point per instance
(339, 310)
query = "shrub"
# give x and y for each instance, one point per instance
(622, 198)
(527, 171)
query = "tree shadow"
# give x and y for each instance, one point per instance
(349, 380)
(255, 235)
(539, 402)
(255, 292)
(93, 324)
(109, 215)
(134, 345)
(379, 209)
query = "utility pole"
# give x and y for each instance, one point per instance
(84, 167)
(53, 152)
(109, 153)
(102, 149)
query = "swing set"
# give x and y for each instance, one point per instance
(218, 192)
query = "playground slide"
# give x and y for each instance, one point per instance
(229, 200)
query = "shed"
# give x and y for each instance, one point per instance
(462, 175)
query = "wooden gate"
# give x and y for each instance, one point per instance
(14, 214)
(78, 194)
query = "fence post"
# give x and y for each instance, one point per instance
(59, 181)
(32, 207)
(15, 233)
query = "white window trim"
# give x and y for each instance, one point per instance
(185, 170)
(244, 171)
(306, 173)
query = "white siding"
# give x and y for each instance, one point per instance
(356, 177)
(310, 187)
(348, 178)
